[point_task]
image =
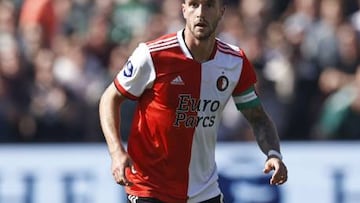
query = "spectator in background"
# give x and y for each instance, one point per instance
(52, 110)
(340, 116)
(322, 36)
(15, 85)
(254, 15)
(339, 74)
(105, 31)
(8, 17)
(277, 75)
(40, 22)
(314, 36)
(300, 16)
(39, 15)
(355, 18)
(7, 133)
(83, 78)
(174, 20)
(126, 28)
(97, 45)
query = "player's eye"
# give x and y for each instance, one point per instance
(194, 5)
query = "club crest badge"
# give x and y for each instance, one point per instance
(222, 83)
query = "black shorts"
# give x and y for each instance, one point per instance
(135, 199)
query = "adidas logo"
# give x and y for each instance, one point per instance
(177, 81)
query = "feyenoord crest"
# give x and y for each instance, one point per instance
(222, 83)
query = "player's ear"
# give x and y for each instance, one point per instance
(222, 10)
(183, 8)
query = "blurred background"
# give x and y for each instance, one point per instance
(57, 57)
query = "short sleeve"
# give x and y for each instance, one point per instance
(137, 74)
(247, 76)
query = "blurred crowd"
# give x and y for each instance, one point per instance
(57, 56)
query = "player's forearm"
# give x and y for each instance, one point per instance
(109, 111)
(264, 129)
(266, 136)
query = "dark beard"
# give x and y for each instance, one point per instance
(203, 36)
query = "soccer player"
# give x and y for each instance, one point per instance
(182, 82)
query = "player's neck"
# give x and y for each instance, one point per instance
(201, 50)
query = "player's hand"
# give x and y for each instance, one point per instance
(280, 174)
(120, 163)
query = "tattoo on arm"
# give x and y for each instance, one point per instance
(263, 129)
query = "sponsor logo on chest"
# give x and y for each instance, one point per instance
(189, 104)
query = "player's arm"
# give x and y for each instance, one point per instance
(109, 111)
(263, 128)
(130, 82)
(268, 141)
(265, 133)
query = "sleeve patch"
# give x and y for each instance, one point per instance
(251, 104)
(247, 99)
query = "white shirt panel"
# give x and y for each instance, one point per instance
(202, 170)
(138, 73)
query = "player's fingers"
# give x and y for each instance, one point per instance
(124, 180)
(282, 180)
(280, 176)
(267, 168)
(119, 177)
(116, 176)
(278, 181)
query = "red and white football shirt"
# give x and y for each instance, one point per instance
(180, 100)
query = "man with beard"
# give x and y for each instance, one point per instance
(182, 82)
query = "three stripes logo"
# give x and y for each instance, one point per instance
(132, 198)
(177, 81)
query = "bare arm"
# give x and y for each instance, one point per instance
(263, 128)
(267, 139)
(109, 111)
